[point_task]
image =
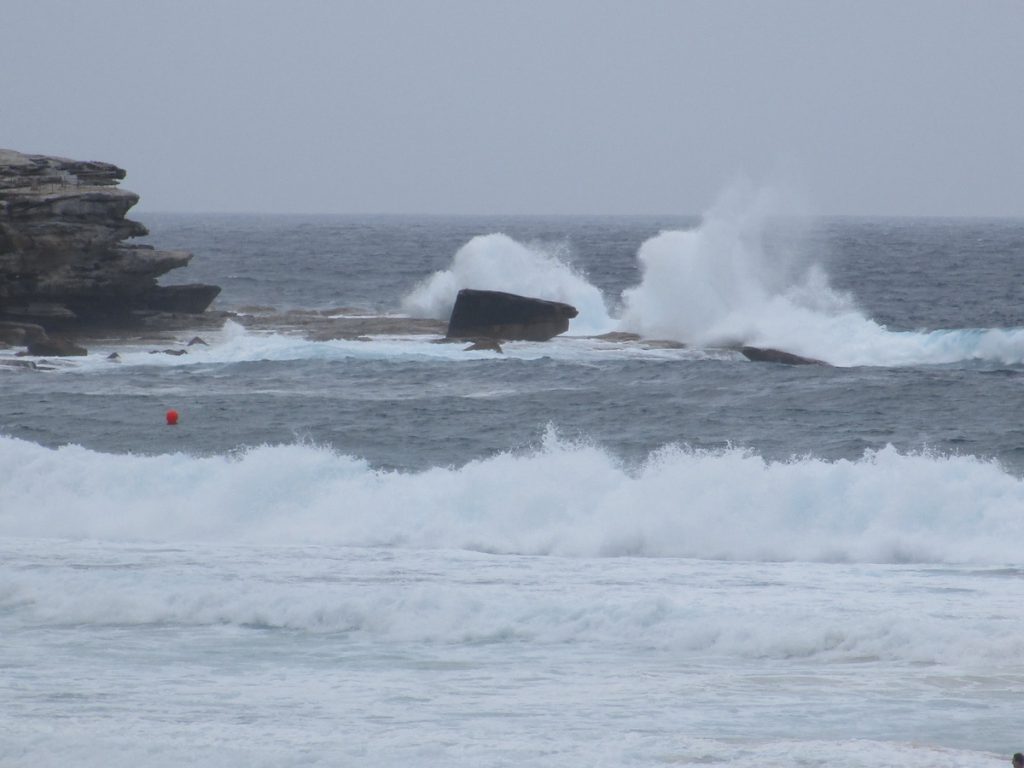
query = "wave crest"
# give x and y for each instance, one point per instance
(567, 499)
(498, 263)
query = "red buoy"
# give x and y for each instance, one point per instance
(172, 417)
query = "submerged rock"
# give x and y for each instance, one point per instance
(485, 345)
(618, 336)
(768, 355)
(508, 316)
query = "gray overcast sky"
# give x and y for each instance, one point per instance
(562, 106)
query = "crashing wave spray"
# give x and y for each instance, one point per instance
(735, 280)
(721, 283)
(498, 263)
(742, 277)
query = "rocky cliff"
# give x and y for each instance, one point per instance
(63, 260)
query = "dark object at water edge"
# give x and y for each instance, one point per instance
(768, 355)
(507, 316)
(54, 346)
(485, 345)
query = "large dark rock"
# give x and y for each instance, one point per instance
(768, 355)
(500, 315)
(55, 347)
(63, 262)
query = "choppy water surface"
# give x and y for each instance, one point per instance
(391, 551)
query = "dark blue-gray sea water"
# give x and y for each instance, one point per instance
(631, 549)
(947, 282)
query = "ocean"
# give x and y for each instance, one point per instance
(592, 551)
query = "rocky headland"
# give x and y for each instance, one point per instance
(68, 277)
(65, 268)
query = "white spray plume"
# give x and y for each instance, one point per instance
(723, 282)
(496, 262)
(743, 276)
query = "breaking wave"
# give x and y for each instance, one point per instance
(498, 263)
(722, 283)
(725, 283)
(567, 499)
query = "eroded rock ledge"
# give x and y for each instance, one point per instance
(64, 264)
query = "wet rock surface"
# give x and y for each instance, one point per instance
(507, 316)
(769, 355)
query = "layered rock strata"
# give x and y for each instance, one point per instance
(63, 260)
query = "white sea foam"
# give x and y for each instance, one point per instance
(699, 284)
(496, 262)
(222, 610)
(236, 344)
(564, 499)
(672, 608)
(722, 283)
(431, 742)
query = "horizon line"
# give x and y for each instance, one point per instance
(412, 214)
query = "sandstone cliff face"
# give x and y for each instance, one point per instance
(63, 260)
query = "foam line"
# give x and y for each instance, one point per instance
(563, 499)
